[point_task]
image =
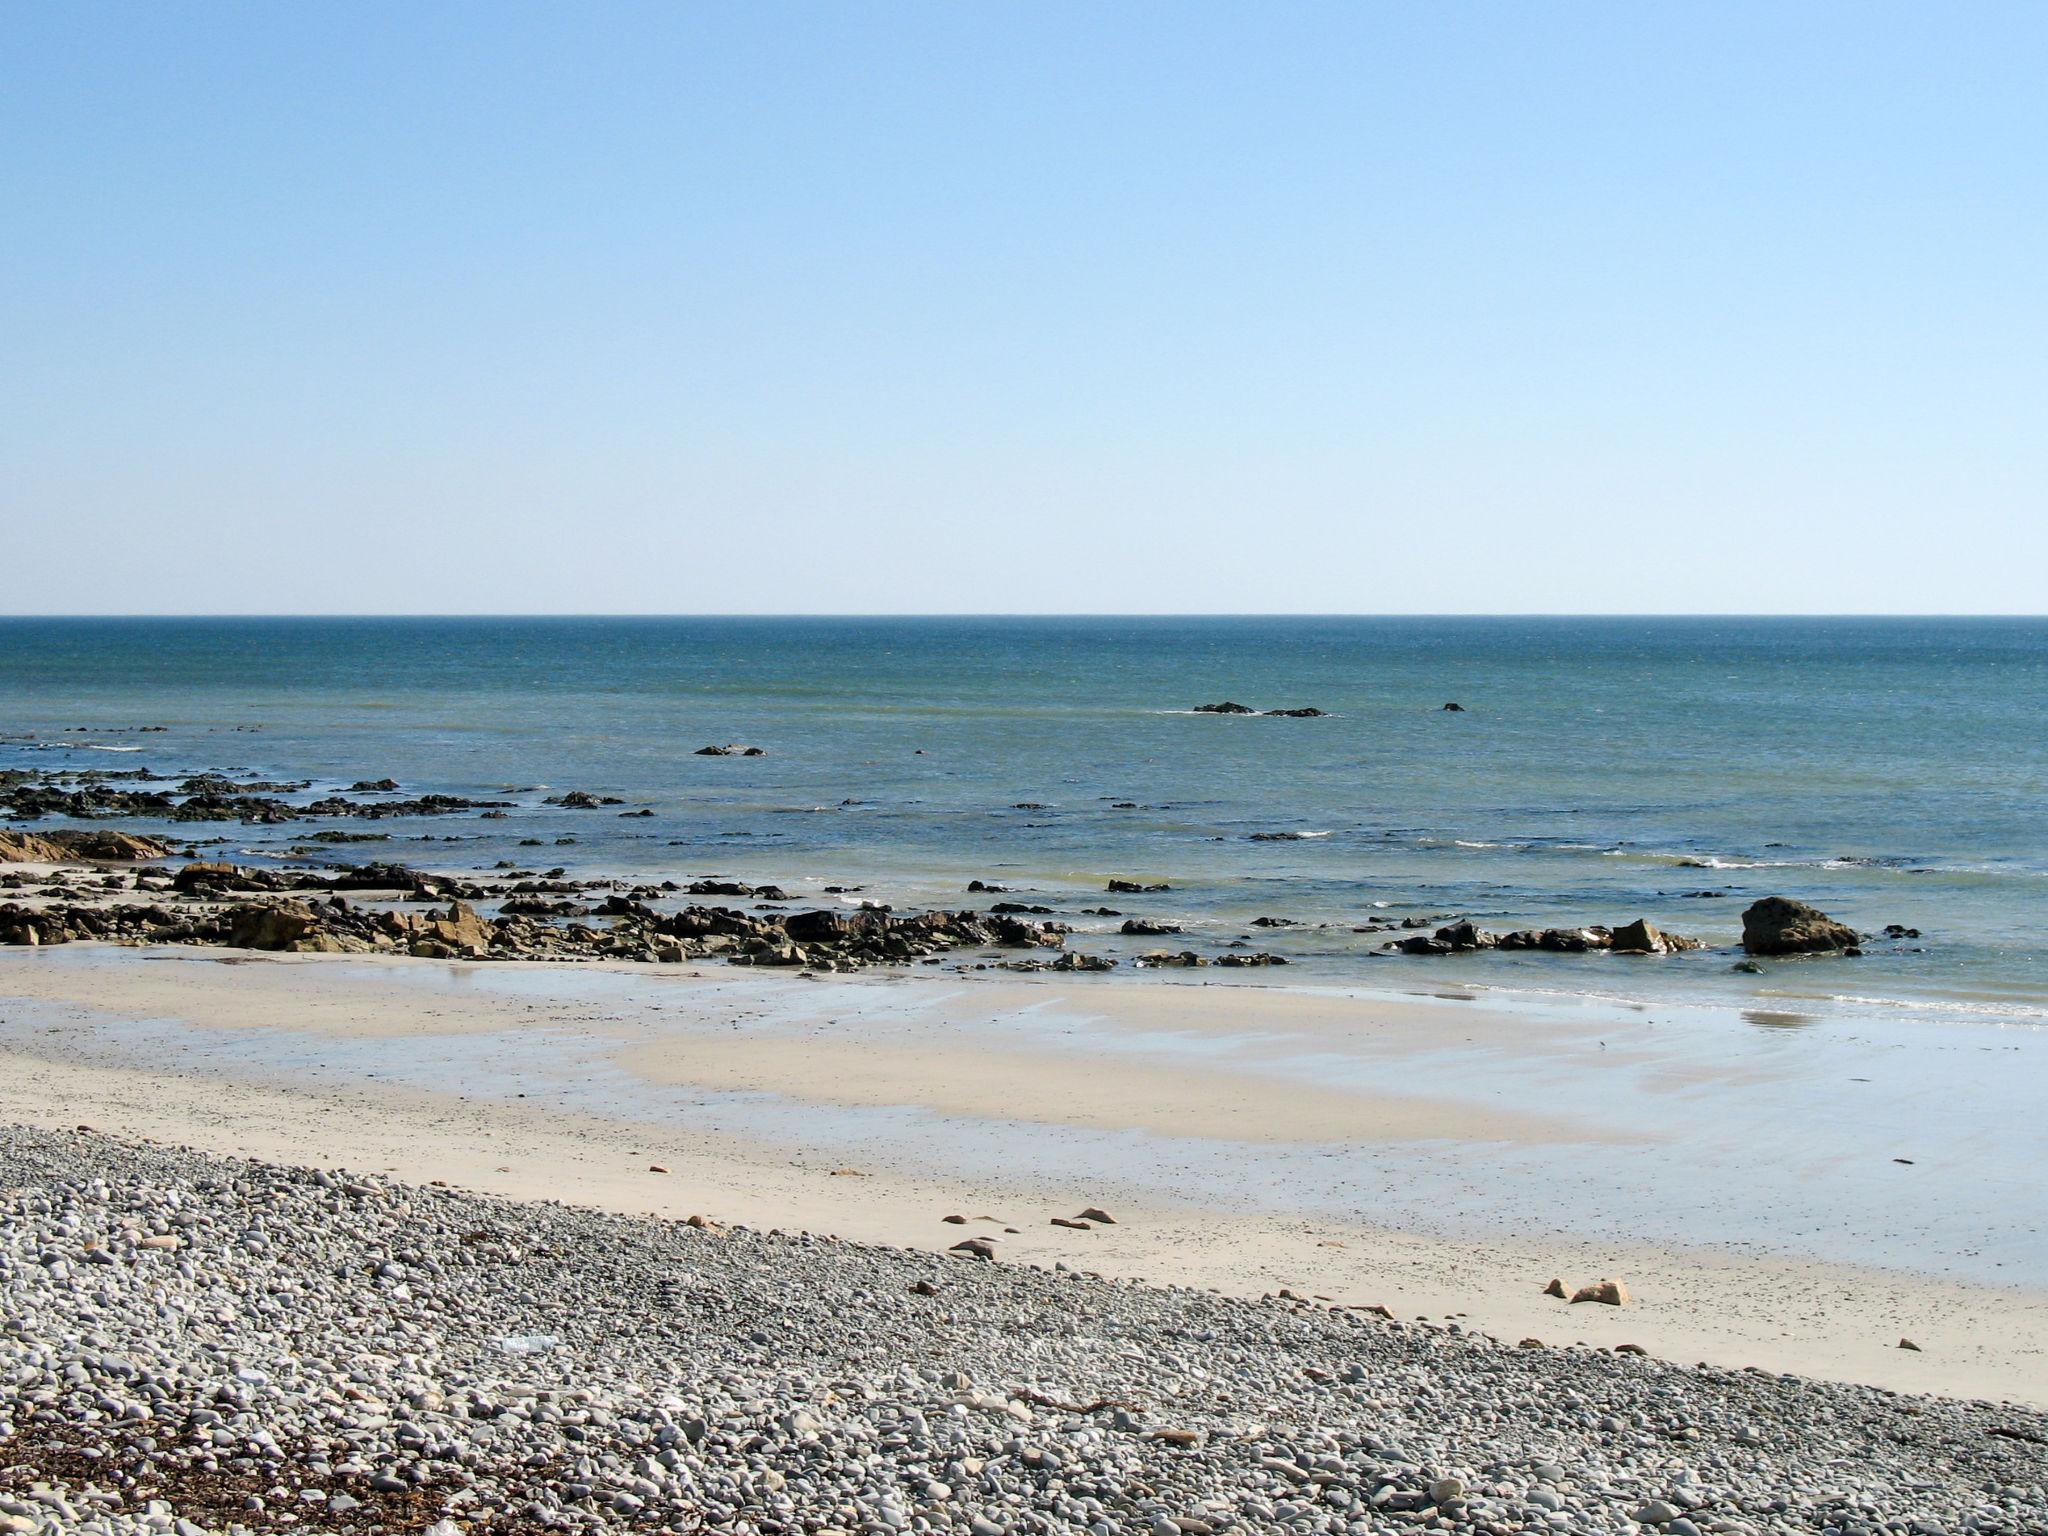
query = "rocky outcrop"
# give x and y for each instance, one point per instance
(1227, 707)
(90, 845)
(1297, 714)
(1778, 925)
(271, 925)
(731, 749)
(1136, 888)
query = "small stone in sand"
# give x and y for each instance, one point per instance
(656, 1168)
(1909, 1344)
(955, 1221)
(1098, 1214)
(1077, 1226)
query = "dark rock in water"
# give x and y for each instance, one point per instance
(1100, 912)
(581, 800)
(1643, 937)
(1421, 944)
(1028, 805)
(1254, 958)
(988, 886)
(641, 812)
(1133, 888)
(1071, 961)
(1455, 709)
(365, 786)
(1227, 707)
(1139, 927)
(1023, 907)
(731, 749)
(1298, 714)
(1275, 922)
(1900, 931)
(1464, 935)
(1778, 925)
(1158, 957)
(719, 888)
(1747, 967)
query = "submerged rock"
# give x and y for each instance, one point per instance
(1227, 707)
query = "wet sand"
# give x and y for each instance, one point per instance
(1440, 1155)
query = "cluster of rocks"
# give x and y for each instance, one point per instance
(197, 1346)
(731, 749)
(206, 798)
(1640, 937)
(1231, 707)
(307, 912)
(1776, 925)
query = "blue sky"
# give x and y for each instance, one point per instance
(1005, 308)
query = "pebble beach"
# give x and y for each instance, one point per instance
(202, 1344)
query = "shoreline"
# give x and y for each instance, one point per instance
(948, 1096)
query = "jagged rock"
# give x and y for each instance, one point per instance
(365, 786)
(271, 925)
(731, 749)
(1297, 714)
(1643, 937)
(1464, 935)
(1134, 888)
(461, 931)
(1072, 961)
(1227, 707)
(1778, 925)
(1455, 709)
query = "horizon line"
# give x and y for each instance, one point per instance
(1009, 614)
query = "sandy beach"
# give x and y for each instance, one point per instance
(1442, 1156)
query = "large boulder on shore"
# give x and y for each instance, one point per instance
(1778, 925)
(272, 925)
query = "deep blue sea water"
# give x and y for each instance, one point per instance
(1887, 770)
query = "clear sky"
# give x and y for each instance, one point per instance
(1100, 307)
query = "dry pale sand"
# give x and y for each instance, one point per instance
(830, 1106)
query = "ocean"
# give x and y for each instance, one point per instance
(1890, 771)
